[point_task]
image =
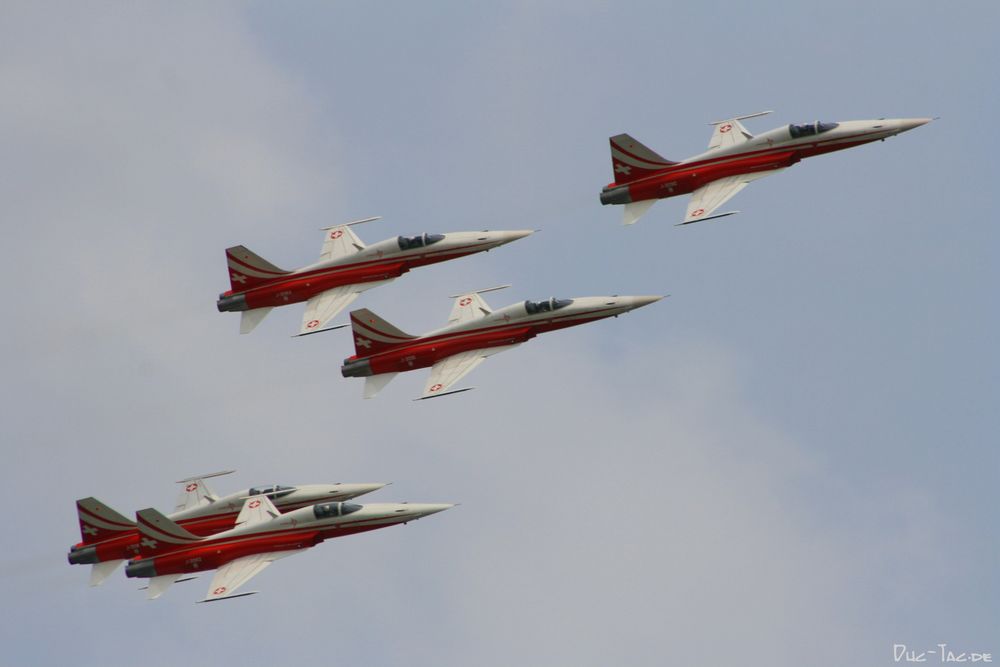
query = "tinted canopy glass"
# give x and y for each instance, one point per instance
(329, 510)
(809, 129)
(275, 491)
(535, 307)
(411, 242)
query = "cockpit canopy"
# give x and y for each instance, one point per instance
(328, 510)
(809, 129)
(411, 242)
(535, 307)
(275, 491)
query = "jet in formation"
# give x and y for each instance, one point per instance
(168, 552)
(473, 333)
(346, 268)
(108, 539)
(734, 158)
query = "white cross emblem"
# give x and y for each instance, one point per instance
(148, 543)
(363, 342)
(237, 278)
(90, 530)
(623, 169)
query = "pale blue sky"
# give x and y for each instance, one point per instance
(793, 458)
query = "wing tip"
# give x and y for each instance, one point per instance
(447, 393)
(228, 597)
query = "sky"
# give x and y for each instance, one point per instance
(791, 459)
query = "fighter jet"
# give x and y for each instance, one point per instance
(262, 535)
(345, 269)
(734, 158)
(473, 333)
(109, 539)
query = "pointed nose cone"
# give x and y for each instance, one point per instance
(910, 123)
(640, 301)
(360, 489)
(426, 509)
(510, 236)
(354, 490)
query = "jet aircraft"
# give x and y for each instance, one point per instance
(734, 158)
(109, 539)
(473, 333)
(262, 535)
(345, 269)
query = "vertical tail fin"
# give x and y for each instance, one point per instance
(98, 522)
(631, 160)
(159, 535)
(248, 269)
(372, 334)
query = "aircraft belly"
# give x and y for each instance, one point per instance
(428, 353)
(214, 556)
(299, 287)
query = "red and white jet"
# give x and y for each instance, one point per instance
(262, 535)
(346, 268)
(734, 158)
(109, 539)
(473, 333)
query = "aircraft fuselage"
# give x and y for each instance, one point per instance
(511, 325)
(775, 149)
(300, 529)
(216, 517)
(384, 260)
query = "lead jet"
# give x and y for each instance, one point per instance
(734, 159)
(108, 539)
(262, 535)
(473, 333)
(346, 268)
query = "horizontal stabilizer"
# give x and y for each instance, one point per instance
(159, 585)
(635, 210)
(101, 571)
(249, 319)
(376, 383)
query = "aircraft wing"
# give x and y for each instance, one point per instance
(326, 305)
(728, 133)
(340, 241)
(256, 509)
(450, 370)
(235, 573)
(196, 491)
(708, 198)
(468, 307)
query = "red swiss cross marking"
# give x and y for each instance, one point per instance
(191, 487)
(219, 591)
(254, 504)
(698, 211)
(466, 301)
(437, 387)
(312, 324)
(336, 234)
(725, 128)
